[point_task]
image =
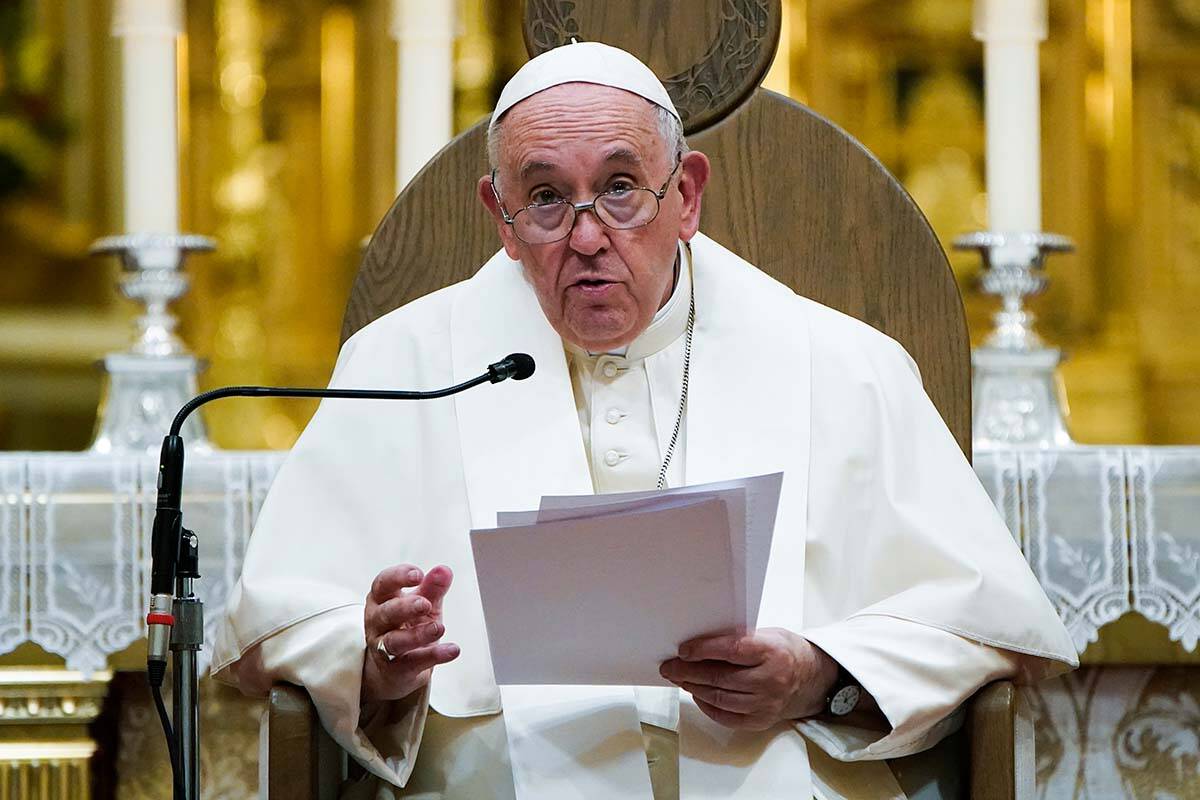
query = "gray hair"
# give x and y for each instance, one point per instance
(669, 128)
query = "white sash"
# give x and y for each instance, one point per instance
(586, 742)
(747, 415)
(568, 742)
(715, 761)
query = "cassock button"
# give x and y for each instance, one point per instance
(612, 417)
(610, 370)
(612, 458)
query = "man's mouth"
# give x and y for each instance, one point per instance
(594, 288)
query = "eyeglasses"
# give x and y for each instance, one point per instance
(620, 209)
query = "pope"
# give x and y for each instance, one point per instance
(893, 589)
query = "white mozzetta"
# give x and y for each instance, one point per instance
(371, 485)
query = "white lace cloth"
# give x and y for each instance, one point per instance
(1164, 508)
(1069, 514)
(1106, 530)
(75, 544)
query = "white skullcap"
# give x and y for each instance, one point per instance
(583, 62)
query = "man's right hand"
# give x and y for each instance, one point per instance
(404, 611)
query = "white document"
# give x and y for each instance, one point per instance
(561, 508)
(605, 599)
(752, 523)
(601, 589)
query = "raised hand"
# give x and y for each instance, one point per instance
(403, 623)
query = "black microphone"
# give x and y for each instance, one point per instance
(517, 366)
(168, 516)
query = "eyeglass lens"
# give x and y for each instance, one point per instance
(550, 222)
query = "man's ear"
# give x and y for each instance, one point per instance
(694, 171)
(488, 198)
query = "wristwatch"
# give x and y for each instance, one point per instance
(845, 694)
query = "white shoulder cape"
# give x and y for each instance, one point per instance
(876, 493)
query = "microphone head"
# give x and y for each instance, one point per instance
(523, 365)
(517, 366)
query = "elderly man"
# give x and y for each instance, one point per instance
(663, 359)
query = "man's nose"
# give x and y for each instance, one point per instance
(589, 236)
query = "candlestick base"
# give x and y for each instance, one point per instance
(147, 384)
(1017, 398)
(1017, 395)
(141, 396)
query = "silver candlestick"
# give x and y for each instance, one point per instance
(1017, 397)
(148, 383)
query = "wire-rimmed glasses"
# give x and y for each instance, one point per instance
(620, 209)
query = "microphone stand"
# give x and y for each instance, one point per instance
(187, 636)
(176, 616)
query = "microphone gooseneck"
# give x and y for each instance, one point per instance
(168, 515)
(174, 564)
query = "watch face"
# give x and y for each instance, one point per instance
(844, 700)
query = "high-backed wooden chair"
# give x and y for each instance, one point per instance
(791, 193)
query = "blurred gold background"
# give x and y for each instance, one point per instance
(287, 150)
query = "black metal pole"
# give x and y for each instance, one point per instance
(187, 636)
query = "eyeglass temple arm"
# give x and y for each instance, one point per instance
(500, 203)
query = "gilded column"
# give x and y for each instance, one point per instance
(45, 747)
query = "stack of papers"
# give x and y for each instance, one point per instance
(601, 589)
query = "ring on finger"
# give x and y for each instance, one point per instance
(381, 648)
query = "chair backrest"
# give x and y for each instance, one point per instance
(790, 192)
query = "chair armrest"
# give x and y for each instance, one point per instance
(302, 760)
(304, 763)
(1001, 740)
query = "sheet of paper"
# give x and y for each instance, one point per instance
(735, 508)
(761, 505)
(605, 599)
(511, 519)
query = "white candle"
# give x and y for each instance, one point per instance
(148, 30)
(424, 33)
(1011, 31)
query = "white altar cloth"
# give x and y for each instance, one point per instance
(75, 544)
(1106, 529)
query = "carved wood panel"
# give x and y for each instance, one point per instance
(739, 38)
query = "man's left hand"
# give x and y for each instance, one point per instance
(753, 681)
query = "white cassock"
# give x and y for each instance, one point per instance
(887, 552)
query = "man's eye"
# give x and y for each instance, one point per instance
(620, 187)
(544, 196)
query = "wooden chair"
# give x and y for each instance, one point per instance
(791, 193)
(304, 763)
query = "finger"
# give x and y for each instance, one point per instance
(734, 648)
(435, 585)
(708, 673)
(724, 699)
(388, 583)
(423, 658)
(408, 609)
(399, 642)
(729, 719)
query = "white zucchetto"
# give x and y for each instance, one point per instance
(583, 62)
